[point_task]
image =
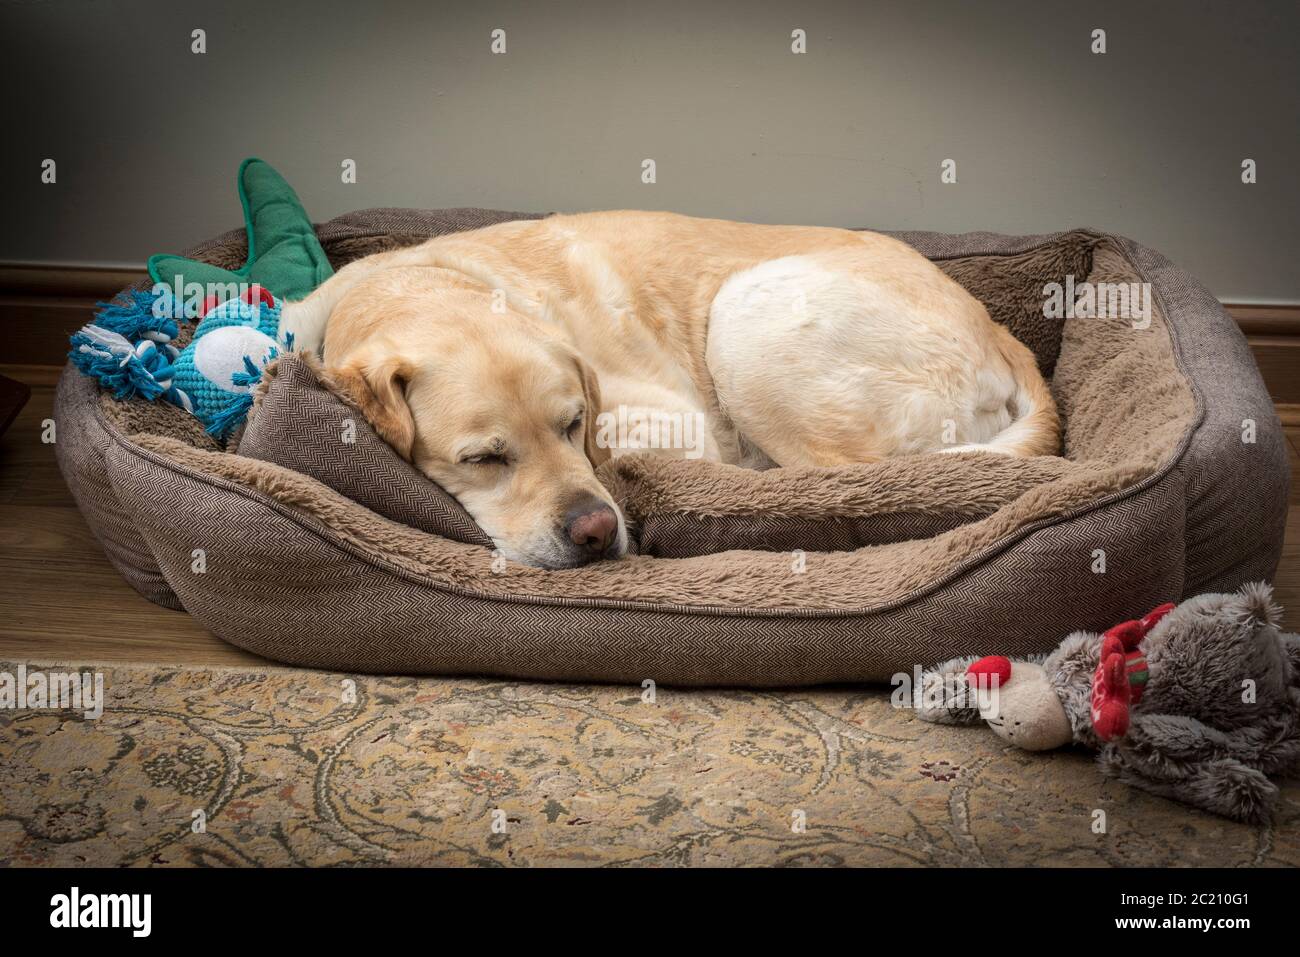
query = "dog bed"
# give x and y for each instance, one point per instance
(1173, 481)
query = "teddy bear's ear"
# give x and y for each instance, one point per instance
(1257, 605)
(946, 696)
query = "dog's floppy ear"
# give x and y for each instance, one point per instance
(378, 387)
(596, 454)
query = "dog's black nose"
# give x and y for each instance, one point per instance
(591, 524)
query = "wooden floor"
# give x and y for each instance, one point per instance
(60, 599)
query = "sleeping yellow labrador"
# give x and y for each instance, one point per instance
(508, 362)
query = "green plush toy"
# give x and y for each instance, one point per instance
(284, 255)
(129, 347)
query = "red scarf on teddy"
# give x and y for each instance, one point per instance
(1121, 674)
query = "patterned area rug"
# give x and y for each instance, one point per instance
(191, 766)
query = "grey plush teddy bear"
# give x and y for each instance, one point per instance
(1198, 703)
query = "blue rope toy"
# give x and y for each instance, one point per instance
(129, 349)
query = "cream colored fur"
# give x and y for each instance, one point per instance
(789, 345)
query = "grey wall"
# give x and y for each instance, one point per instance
(1146, 140)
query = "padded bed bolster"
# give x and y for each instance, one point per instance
(1237, 490)
(81, 442)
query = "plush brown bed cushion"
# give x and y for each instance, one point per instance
(680, 509)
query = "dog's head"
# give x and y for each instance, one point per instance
(497, 409)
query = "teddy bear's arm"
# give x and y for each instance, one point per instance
(1272, 745)
(1160, 738)
(1222, 772)
(1221, 786)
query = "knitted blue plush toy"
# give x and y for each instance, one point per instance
(129, 349)
(220, 366)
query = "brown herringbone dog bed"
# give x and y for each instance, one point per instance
(1174, 481)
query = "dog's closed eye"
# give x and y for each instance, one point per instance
(484, 452)
(485, 458)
